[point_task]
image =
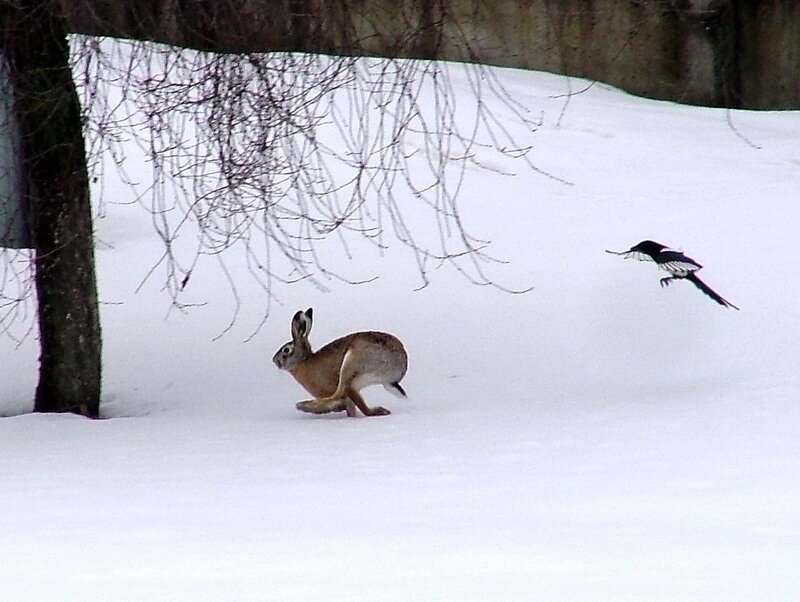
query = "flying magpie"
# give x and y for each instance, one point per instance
(676, 263)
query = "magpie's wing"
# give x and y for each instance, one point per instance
(638, 255)
(676, 262)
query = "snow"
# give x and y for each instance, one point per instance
(598, 437)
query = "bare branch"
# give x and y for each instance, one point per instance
(275, 153)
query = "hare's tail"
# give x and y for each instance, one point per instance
(396, 389)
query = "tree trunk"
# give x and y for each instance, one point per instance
(47, 104)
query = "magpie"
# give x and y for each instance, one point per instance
(679, 266)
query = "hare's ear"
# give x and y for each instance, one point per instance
(301, 324)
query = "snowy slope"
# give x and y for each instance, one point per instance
(595, 438)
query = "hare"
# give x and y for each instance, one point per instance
(335, 374)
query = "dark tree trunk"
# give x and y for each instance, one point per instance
(47, 104)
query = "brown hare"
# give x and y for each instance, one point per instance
(335, 374)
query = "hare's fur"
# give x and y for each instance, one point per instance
(336, 373)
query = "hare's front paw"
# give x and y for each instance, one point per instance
(379, 411)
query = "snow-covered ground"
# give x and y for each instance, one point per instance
(595, 438)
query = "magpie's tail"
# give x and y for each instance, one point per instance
(709, 291)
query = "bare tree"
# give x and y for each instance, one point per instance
(46, 102)
(248, 151)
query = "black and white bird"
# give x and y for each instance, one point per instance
(679, 266)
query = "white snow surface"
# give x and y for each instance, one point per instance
(596, 438)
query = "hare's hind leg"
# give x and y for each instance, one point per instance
(353, 400)
(355, 396)
(349, 377)
(313, 406)
(345, 394)
(338, 400)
